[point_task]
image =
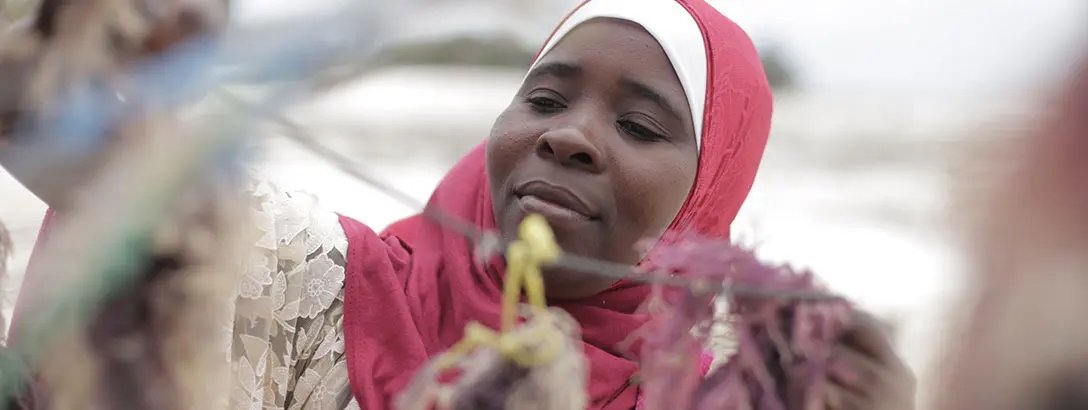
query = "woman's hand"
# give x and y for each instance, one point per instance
(866, 373)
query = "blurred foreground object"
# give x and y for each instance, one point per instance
(1026, 340)
(72, 55)
(5, 254)
(139, 265)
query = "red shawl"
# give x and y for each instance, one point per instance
(411, 290)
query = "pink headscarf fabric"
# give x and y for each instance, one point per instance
(411, 290)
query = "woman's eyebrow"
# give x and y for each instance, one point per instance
(647, 92)
(557, 69)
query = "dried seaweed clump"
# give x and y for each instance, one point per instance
(144, 342)
(486, 379)
(5, 254)
(141, 261)
(785, 332)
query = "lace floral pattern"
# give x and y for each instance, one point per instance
(287, 343)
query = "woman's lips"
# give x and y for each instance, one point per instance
(550, 199)
(532, 204)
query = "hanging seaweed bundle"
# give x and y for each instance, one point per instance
(143, 341)
(5, 254)
(784, 340)
(536, 365)
(9, 366)
(77, 60)
(671, 346)
(140, 262)
(486, 378)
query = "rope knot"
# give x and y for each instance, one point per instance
(535, 246)
(538, 344)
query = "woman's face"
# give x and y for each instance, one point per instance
(600, 141)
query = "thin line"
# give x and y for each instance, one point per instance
(478, 237)
(620, 271)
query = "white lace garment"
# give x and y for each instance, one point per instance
(287, 343)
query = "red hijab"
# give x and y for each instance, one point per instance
(411, 290)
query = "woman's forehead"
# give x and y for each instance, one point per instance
(621, 54)
(674, 29)
(601, 32)
(604, 42)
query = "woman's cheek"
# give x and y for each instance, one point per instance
(661, 188)
(513, 137)
(498, 146)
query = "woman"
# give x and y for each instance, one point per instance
(637, 118)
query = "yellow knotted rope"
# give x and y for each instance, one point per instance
(535, 246)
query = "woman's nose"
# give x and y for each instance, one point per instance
(570, 147)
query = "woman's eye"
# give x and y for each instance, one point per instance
(639, 131)
(545, 104)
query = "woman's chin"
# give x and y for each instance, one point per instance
(572, 238)
(578, 237)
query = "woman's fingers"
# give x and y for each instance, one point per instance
(865, 367)
(869, 335)
(853, 371)
(838, 398)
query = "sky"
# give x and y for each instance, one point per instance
(975, 47)
(924, 46)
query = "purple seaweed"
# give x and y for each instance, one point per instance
(783, 344)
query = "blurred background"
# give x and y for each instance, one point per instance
(877, 105)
